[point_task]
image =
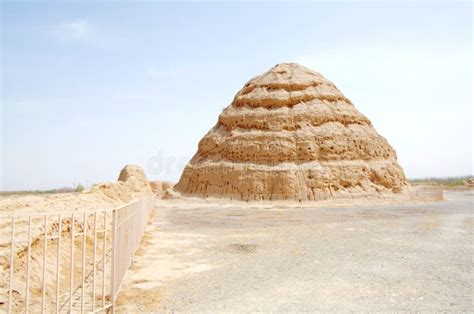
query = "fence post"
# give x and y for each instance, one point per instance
(10, 285)
(45, 247)
(58, 263)
(114, 249)
(71, 266)
(94, 261)
(28, 258)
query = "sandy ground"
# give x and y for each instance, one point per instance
(25, 204)
(366, 258)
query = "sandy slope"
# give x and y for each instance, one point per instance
(44, 203)
(132, 185)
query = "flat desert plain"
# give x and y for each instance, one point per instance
(208, 257)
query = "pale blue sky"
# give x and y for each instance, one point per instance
(89, 87)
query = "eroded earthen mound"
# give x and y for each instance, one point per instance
(161, 188)
(291, 134)
(135, 178)
(132, 183)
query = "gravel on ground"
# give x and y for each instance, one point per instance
(362, 258)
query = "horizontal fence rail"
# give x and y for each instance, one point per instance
(70, 261)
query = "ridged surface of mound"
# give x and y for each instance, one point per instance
(132, 183)
(135, 178)
(291, 134)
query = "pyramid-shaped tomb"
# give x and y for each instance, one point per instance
(291, 134)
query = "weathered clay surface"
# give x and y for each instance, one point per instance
(135, 178)
(131, 184)
(469, 182)
(161, 189)
(291, 134)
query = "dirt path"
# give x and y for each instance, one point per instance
(377, 258)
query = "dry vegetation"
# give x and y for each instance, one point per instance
(445, 182)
